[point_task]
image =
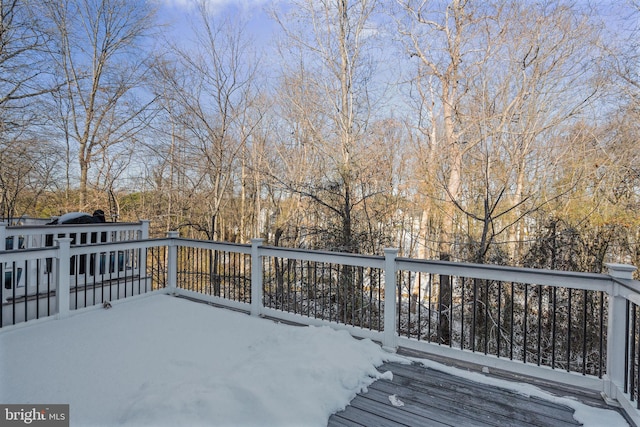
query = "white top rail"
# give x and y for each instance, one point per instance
(533, 276)
(343, 258)
(39, 236)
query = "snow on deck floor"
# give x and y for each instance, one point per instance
(167, 361)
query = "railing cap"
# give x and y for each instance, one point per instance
(621, 271)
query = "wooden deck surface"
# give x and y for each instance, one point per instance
(433, 398)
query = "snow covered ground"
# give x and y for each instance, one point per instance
(167, 361)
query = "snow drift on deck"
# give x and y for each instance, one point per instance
(166, 361)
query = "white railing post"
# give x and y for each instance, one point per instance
(390, 335)
(144, 229)
(172, 262)
(616, 331)
(63, 276)
(256, 277)
(142, 253)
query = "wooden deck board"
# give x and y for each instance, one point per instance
(504, 404)
(433, 398)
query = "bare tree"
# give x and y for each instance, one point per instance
(25, 77)
(494, 87)
(209, 91)
(548, 68)
(440, 39)
(102, 59)
(329, 95)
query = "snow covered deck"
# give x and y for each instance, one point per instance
(161, 360)
(579, 330)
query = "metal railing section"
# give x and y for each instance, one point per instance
(347, 288)
(111, 271)
(214, 269)
(90, 275)
(21, 302)
(547, 324)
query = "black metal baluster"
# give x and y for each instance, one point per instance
(429, 309)
(627, 367)
(232, 276)
(409, 304)
(142, 270)
(462, 309)
(636, 362)
(37, 290)
(450, 322)
(353, 286)
(372, 282)
(196, 269)
(499, 330)
(117, 267)
(76, 262)
(553, 328)
(246, 290)
(125, 255)
(569, 332)
(419, 304)
(295, 287)
(474, 315)
(94, 284)
(310, 292)
(539, 344)
(513, 303)
(330, 295)
(26, 293)
(93, 274)
(13, 287)
(103, 266)
(247, 278)
(280, 273)
(300, 285)
(305, 286)
(236, 275)
(380, 296)
(486, 316)
(601, 334)
(398, 288)
(584, 332)
(362, 300)
(187, 258)
(226, 269)
(632, 358)
(85, 260)
(48, 292)
(380, 290)
(323, 290)
(439, 334)
(525, 316)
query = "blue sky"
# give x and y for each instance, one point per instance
(178, 14)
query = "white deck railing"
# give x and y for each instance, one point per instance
(491, 315)
(28, 237)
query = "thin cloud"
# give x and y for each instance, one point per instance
(216, 6)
